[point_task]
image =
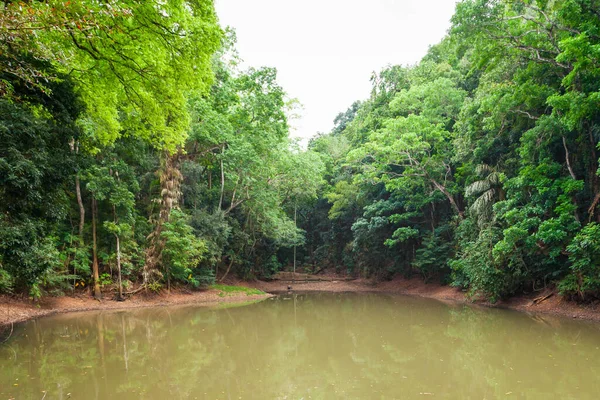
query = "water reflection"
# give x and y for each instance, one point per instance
(316, 346)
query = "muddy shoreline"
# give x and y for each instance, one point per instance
(14, 309)
(548, 302)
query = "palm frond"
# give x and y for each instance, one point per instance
(494, 178)
(483, 169)
(483, 204)
(477, 187)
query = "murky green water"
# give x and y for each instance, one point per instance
(315, 346)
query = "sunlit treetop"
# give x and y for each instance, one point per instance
(133, 63)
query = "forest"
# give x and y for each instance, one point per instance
(136, 153)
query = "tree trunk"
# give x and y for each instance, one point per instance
(593, 171)
(442, 189)
(168, 280)
(567, 158)
(296, 225)
(119, 268)
(81, 208)
(228, 269)
(572, 173)
(501, 194)
(75, 148)
(97, 293)
(118, 240)
(222, 182)
(170, 184)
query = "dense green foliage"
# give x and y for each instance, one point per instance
(134, 150)
(477, 166)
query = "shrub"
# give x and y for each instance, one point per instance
(584, 258)
(6, 282)
(183, 251)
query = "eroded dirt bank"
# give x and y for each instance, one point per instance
(13, 310)
(544, 302)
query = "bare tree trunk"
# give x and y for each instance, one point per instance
(572, 173)
(592, 209)
(119, 268)
(168, 280)
(118, 240)
(81, 220)
(231, 205)
(567, 158)
(593, 171)
(81, 208)
(228, 269)
(97, 293)
(222, 182)
(75, 148)
(450, 198)
(296, 225)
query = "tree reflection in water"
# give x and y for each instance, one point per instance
(318, 346)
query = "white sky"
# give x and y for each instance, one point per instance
(325, 50)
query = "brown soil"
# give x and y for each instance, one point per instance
(545, 303)
(13, 310)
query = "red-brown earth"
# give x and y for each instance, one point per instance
(17, 309)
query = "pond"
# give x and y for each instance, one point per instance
(304, 346)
